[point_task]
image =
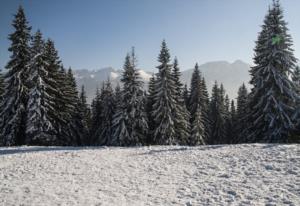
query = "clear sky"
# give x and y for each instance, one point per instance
(93, 34)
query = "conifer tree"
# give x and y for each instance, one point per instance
(75, 129)
(217, 114)
(197, 131)
(242, 110)
(205, 109)
(164, 101)
(133, 100)
(149, 109)
(55, 82)
(96, 116)
(272, 99)
(105, 130)
(85, 114)
(181, 114)
(199, 98)
(228, 121)
(15, 97)
(39, 128)
(195, 93)
(234, 123)
(120, 130)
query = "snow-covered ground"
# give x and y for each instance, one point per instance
(255, 174)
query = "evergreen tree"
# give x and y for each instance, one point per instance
(75, 129)
(197, 129)
(105, 130)
(217, 114)
(195, 93)
(120, 130)
(242, 110)
(234, 123)
(164, 101)
(55, 81)
(205, 109)
(96, 116)
(15, 97)
(39, 128)
(85, 114)
(149, 109)
(199, 98)
(228, 121)
(181, 114)
(133, 100)
(272, 99)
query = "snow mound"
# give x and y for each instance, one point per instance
(256, 174)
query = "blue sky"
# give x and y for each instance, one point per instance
(93, 34)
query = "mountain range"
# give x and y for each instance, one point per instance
(232, 75)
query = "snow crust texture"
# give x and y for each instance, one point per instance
(256, 174)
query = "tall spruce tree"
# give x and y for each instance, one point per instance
(55, 82)
(14, 105)
(96, 116)
(205, 109)
(228, 121)
(85, 116)
(120, 127)
(242, 110)
(181, 113)
(199, 98)
(149, 108)
(105, 130)
(272, 99)
(234, 122)
(164, 100)
(75, 128)
(217, 115)
(197, 129)
(39, 128)
(133, 101)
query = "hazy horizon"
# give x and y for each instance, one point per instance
(97, 34)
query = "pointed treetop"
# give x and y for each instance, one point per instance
(164, 55)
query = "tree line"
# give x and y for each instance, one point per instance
(41, 105)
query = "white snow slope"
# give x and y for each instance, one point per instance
(256, 174)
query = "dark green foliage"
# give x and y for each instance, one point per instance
(164, 101)
(15, 97)
(181, 114)
(149, 109)
(104, 131)
(217, 115)
(272, 99)
(39, 128)
(199, 98)
(241, 115)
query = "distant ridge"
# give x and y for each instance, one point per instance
(232, 75)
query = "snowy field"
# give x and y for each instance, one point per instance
(208, 175)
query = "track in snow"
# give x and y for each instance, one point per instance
(256, 174)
